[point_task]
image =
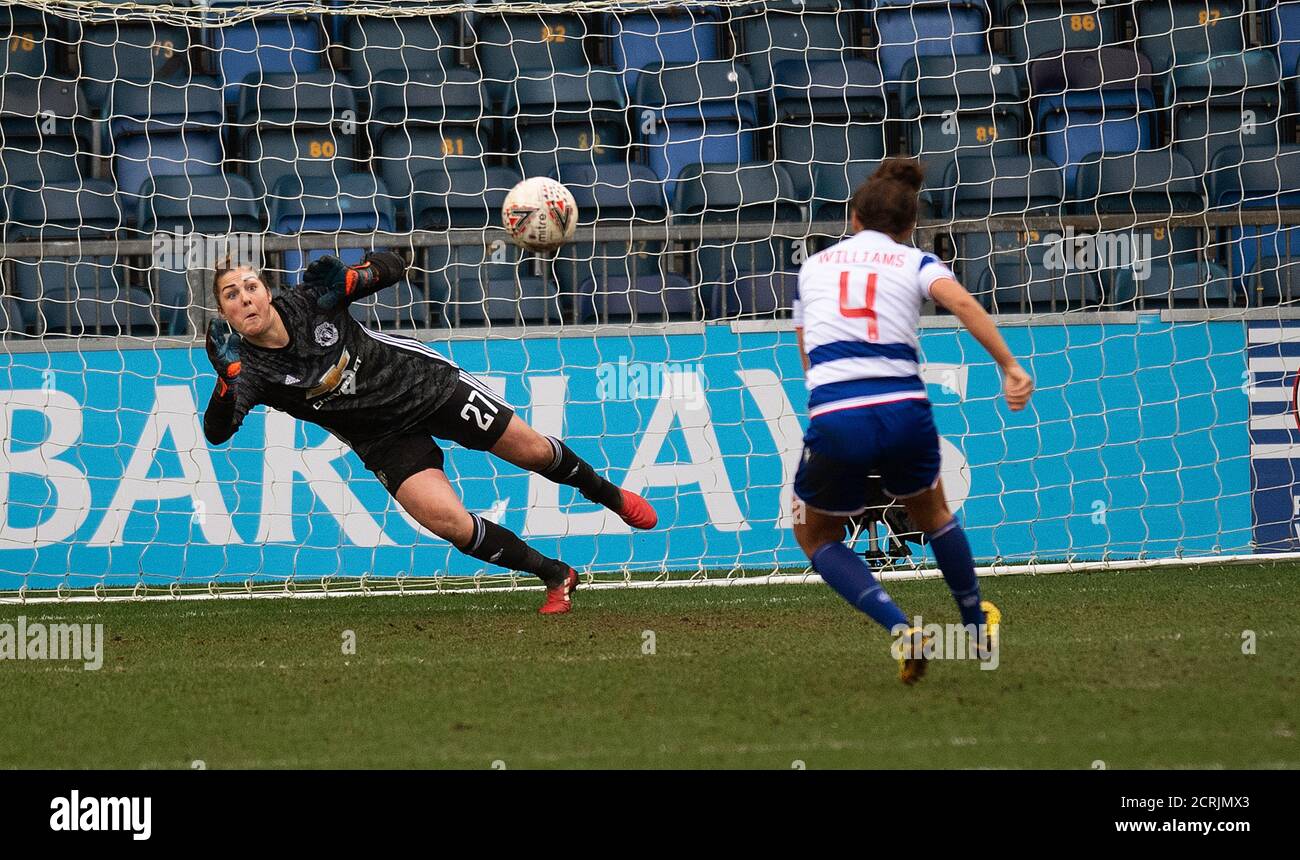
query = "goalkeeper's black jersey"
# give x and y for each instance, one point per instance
(357, 383)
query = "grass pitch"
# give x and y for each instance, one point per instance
(1136, 669)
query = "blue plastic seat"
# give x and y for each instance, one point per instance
(915, 28)
(609, 196)
(1257, 178)
(263, 46)
(1284, 26)
(31, 43)
(833, 189)
(395, 48)
(1015, 186)
(661, 37)
(115, 49)
(209, 204)
(160, 129)
(1172, 33)
(297, 125)
(508, 44)
(1092, 102)
(1024, 287)
(772, 33)
(435, 121)
(483, 283)
(1224, 103)
(1182, 285)
(695, 114)
(828, 113)
(960, 107)
(1050, 28)
(649, 299)
(355, 203)
(576, 116)
(46, 132)
(1273, 281)
(83, 294)
(740, 277)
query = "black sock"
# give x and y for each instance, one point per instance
(571, 470)
(498, 545)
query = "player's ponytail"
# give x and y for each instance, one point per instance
(886, 202)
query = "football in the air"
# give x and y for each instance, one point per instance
(539, 214)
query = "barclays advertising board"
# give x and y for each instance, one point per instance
(1136, 442)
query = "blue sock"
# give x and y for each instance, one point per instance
(849, 575)
(952, 552)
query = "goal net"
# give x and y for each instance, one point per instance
(1119, 183)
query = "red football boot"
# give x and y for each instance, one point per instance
(558, 597)
(637, 512)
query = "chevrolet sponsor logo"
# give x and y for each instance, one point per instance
(332, 378)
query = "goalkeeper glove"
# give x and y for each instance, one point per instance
(223, 352)
(335, 281)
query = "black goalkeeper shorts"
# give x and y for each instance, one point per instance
(472, 417)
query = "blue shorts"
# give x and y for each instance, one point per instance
(897, 441)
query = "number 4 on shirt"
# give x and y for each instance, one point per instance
(868, 310)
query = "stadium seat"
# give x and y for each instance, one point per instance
(159, 129)
(1021, 287)
(799, 31)
(740, 277)
(1284, 25)
(694, 114)
(609, 196)
(263, 46)
(827, 113)
(833, 188)
(1174, 32)
(1273, 281)
(31, 43)
(914, 28)
(481, 282)
(1182, 285)
(354, 202)
(1159, 180)
(1011, 186)
(651, 299)
(12, 324)
(45, 132)
(1257, 178)
(1050, 28)
(296, 125)
(437, 120)
(959, 107)
(1224, 103)
(661, 37)
(115, 49)
(506, 45)
(1143, 184)
(571, 116)
(76, 295)
(1091, 102)
(209, 204)
(396, 48)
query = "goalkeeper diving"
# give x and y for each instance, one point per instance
(387, 397)
(856, 318)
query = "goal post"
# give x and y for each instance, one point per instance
(1119, 183)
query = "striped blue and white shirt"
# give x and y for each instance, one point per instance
(859, 306)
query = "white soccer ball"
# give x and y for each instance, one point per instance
(540, 214)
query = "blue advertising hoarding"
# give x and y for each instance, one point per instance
(1135, 442)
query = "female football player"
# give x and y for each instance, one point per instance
(856, 318)
(386, 396)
